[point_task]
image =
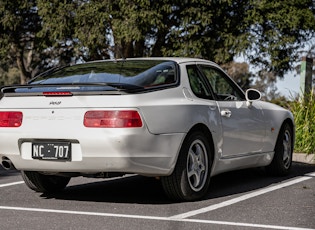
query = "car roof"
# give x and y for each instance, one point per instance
(175, 59)
(178, 60)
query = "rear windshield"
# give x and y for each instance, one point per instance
(140, 73)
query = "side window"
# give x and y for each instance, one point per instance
(197, 83)
(223, 88)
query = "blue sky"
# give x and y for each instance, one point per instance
(289, 86)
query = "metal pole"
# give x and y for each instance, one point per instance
(306, 77)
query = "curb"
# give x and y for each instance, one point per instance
(304, 158)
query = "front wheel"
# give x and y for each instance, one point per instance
(44, 183)
(282, 160)
(191, 176)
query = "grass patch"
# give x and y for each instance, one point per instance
(304, 116)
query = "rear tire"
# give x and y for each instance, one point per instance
(191, 177)
(282, 160)
(44, 183)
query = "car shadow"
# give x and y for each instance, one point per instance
(247, 180)
(146, 190)
(8, 173)
(130, 189)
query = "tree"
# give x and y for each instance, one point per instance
(56, 37)
(91, 30)
(18, 25)
(275, 31)
(240, 74)
(265, 82)
(38, 34)
(29, 39)
(206, 29)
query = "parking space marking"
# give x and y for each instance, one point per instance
(238, 224)
(10, 184)
(152, 218)
(184, 216)
(244, 197)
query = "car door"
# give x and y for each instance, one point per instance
(243, 127)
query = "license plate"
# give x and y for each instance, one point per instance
(51, 150)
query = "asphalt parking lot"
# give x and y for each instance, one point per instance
(245, 199)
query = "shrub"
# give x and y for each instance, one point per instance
(304, 116)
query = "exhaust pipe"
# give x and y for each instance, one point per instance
(7, 164)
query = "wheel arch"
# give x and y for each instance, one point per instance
(205, 130)
(292, 126)
(290, 122)
(177, 185)
(283, 151)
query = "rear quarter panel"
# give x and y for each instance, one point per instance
(179, 114)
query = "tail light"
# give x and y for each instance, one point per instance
(11, 119)
(52, 94)
(113, 119)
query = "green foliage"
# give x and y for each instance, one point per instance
(278, 30)
(92, 29)
(304, 114)
(281, 101)
(9, 77)
(38, 34)
(206, 29)
(19, 23)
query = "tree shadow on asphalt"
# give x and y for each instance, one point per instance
(145, 190)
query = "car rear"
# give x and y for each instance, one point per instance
(66, 123)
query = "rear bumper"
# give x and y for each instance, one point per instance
(132, 151)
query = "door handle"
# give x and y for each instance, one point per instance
(226, 113)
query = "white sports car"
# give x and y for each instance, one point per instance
(182, 120)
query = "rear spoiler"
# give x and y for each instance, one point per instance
(68, 89)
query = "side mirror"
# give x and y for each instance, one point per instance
(252, 95)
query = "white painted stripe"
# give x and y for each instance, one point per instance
(245, 224)
(152, 218)
(81, 213)
(242, 198)
(310, 174)
(10, 184)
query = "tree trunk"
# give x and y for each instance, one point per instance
(128, 50)
(25, 75)
(160, 41)
(139, 48)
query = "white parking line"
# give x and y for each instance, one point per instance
(152, 218)
(10, 184)
(242, 198)
(183, 217)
